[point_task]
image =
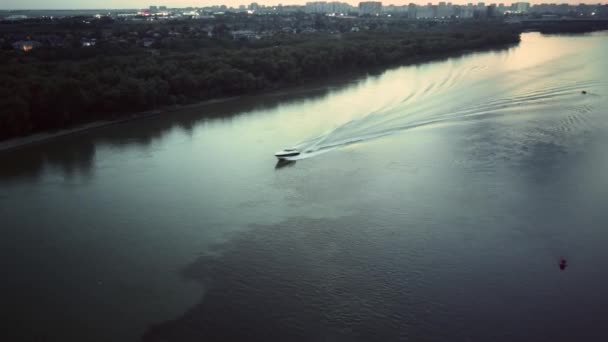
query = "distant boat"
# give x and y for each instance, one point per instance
(288, 152)
(583, 92)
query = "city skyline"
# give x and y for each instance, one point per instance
(132, 4)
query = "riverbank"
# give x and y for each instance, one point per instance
(16, 143)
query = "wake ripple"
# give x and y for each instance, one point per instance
(442, 102)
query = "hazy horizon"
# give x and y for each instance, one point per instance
(129, 4)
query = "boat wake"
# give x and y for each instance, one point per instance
(473, 93)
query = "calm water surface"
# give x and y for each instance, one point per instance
(433, 204)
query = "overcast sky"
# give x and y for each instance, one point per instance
(68, 4)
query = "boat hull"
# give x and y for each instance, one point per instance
(286, 155)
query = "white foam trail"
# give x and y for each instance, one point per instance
(440, 101)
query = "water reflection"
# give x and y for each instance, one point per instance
(282, 163)
(71, 158)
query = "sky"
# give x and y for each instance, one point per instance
(97, 4)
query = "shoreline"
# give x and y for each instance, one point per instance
(304, 87)
(17, 143)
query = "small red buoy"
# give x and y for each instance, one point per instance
(563, 264)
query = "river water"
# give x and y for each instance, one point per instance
(433, 203)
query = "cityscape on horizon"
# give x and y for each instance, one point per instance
(429, 10)
(137, 4)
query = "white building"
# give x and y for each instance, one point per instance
(370, 7)
(324, 7)
(316, 7)
(522, 7)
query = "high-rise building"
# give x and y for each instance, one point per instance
(457, 11)
(442, 10)
(412, 11)
(370, 7)
(324, 7)
(434, 11)
(316, 7)
(339, 7)
(467, 11)
(451, 9)
(522, 7)
(491, 11)
(425, 11)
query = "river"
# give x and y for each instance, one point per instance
(433, 203)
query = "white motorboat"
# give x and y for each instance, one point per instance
(288, 152)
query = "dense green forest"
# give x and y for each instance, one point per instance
(55, 88)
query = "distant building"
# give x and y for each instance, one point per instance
(293, 9)
(522, 7)
(467, 11)
(445, 10)
(491, 11)
(370, 7)
(434, 11)
(162, 8)
(339, 7)
(394, 9)
(457, 11)
(316, 7)
(442, 9)
(153, 8)
(500, 10)
(412, 11)
(324, 7)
